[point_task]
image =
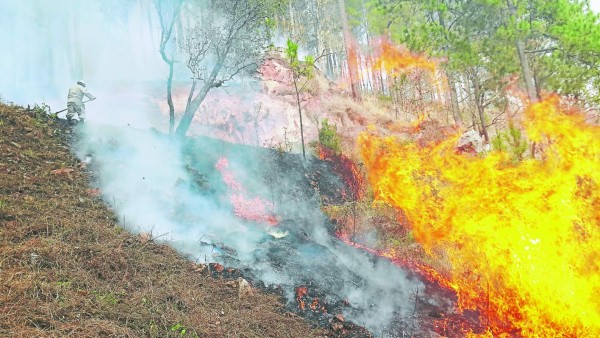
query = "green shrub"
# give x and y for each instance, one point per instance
(511, 141)
(329, 137)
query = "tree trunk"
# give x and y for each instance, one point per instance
(170, 99)
(453, 97)
(190, 110)
(480, 108)
(319, 41)
(330, 64)
(292, 23)
(192, 107)
(300, 114)
(167, 31)
(350, 51)
(527, 73)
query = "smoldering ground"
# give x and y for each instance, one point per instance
(172, 189)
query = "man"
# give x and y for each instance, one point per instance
(75, 103)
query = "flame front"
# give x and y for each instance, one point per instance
(521, 240)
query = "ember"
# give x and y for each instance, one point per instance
(252, 209)
(301, 293)
(346, 169)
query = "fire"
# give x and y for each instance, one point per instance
(395, 59)
(347, 169)
(252, 209)
(301, 294)
(522, 241)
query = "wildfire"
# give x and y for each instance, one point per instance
(252, 209)
(347, 169)
(522, 240)
(395, 59)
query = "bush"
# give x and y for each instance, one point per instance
(329, 137)
(512, 141)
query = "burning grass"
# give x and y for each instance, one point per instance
(68, 268)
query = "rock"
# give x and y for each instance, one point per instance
(470, 141)
(145, 237)
(337, 327)
(199, 267)
(244, 288)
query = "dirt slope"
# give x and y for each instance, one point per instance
(68, 269)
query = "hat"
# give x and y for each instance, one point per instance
(80, 82)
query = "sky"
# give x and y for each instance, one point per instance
(595, 5)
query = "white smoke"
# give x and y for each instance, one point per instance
(48, 45)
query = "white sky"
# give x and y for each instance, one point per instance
(595, 5)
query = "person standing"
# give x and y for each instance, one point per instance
(75, 101)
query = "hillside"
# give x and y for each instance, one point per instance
(67, 267)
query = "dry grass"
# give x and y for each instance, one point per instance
(68, 269)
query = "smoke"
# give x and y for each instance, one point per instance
(48, 45)
(171, 188)
(152, 182)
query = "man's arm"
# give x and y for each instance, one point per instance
(88, 94)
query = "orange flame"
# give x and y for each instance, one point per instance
(522, 241)
(395, 59)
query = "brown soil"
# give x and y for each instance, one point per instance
(67, 268)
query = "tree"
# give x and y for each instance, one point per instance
(520, 44)
(167, 17)
(351, 54)
(565, 50)
(299, 70)
(315, 25)
(226, 42)
(433, 27)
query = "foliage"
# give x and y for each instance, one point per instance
(181, 330)
(561, 39)
(315, 26)
(270, 26)
(42, 109)
(300, 70)
(511, 141)
(283, 146)
(329, 137)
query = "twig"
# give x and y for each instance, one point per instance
(416, 299)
